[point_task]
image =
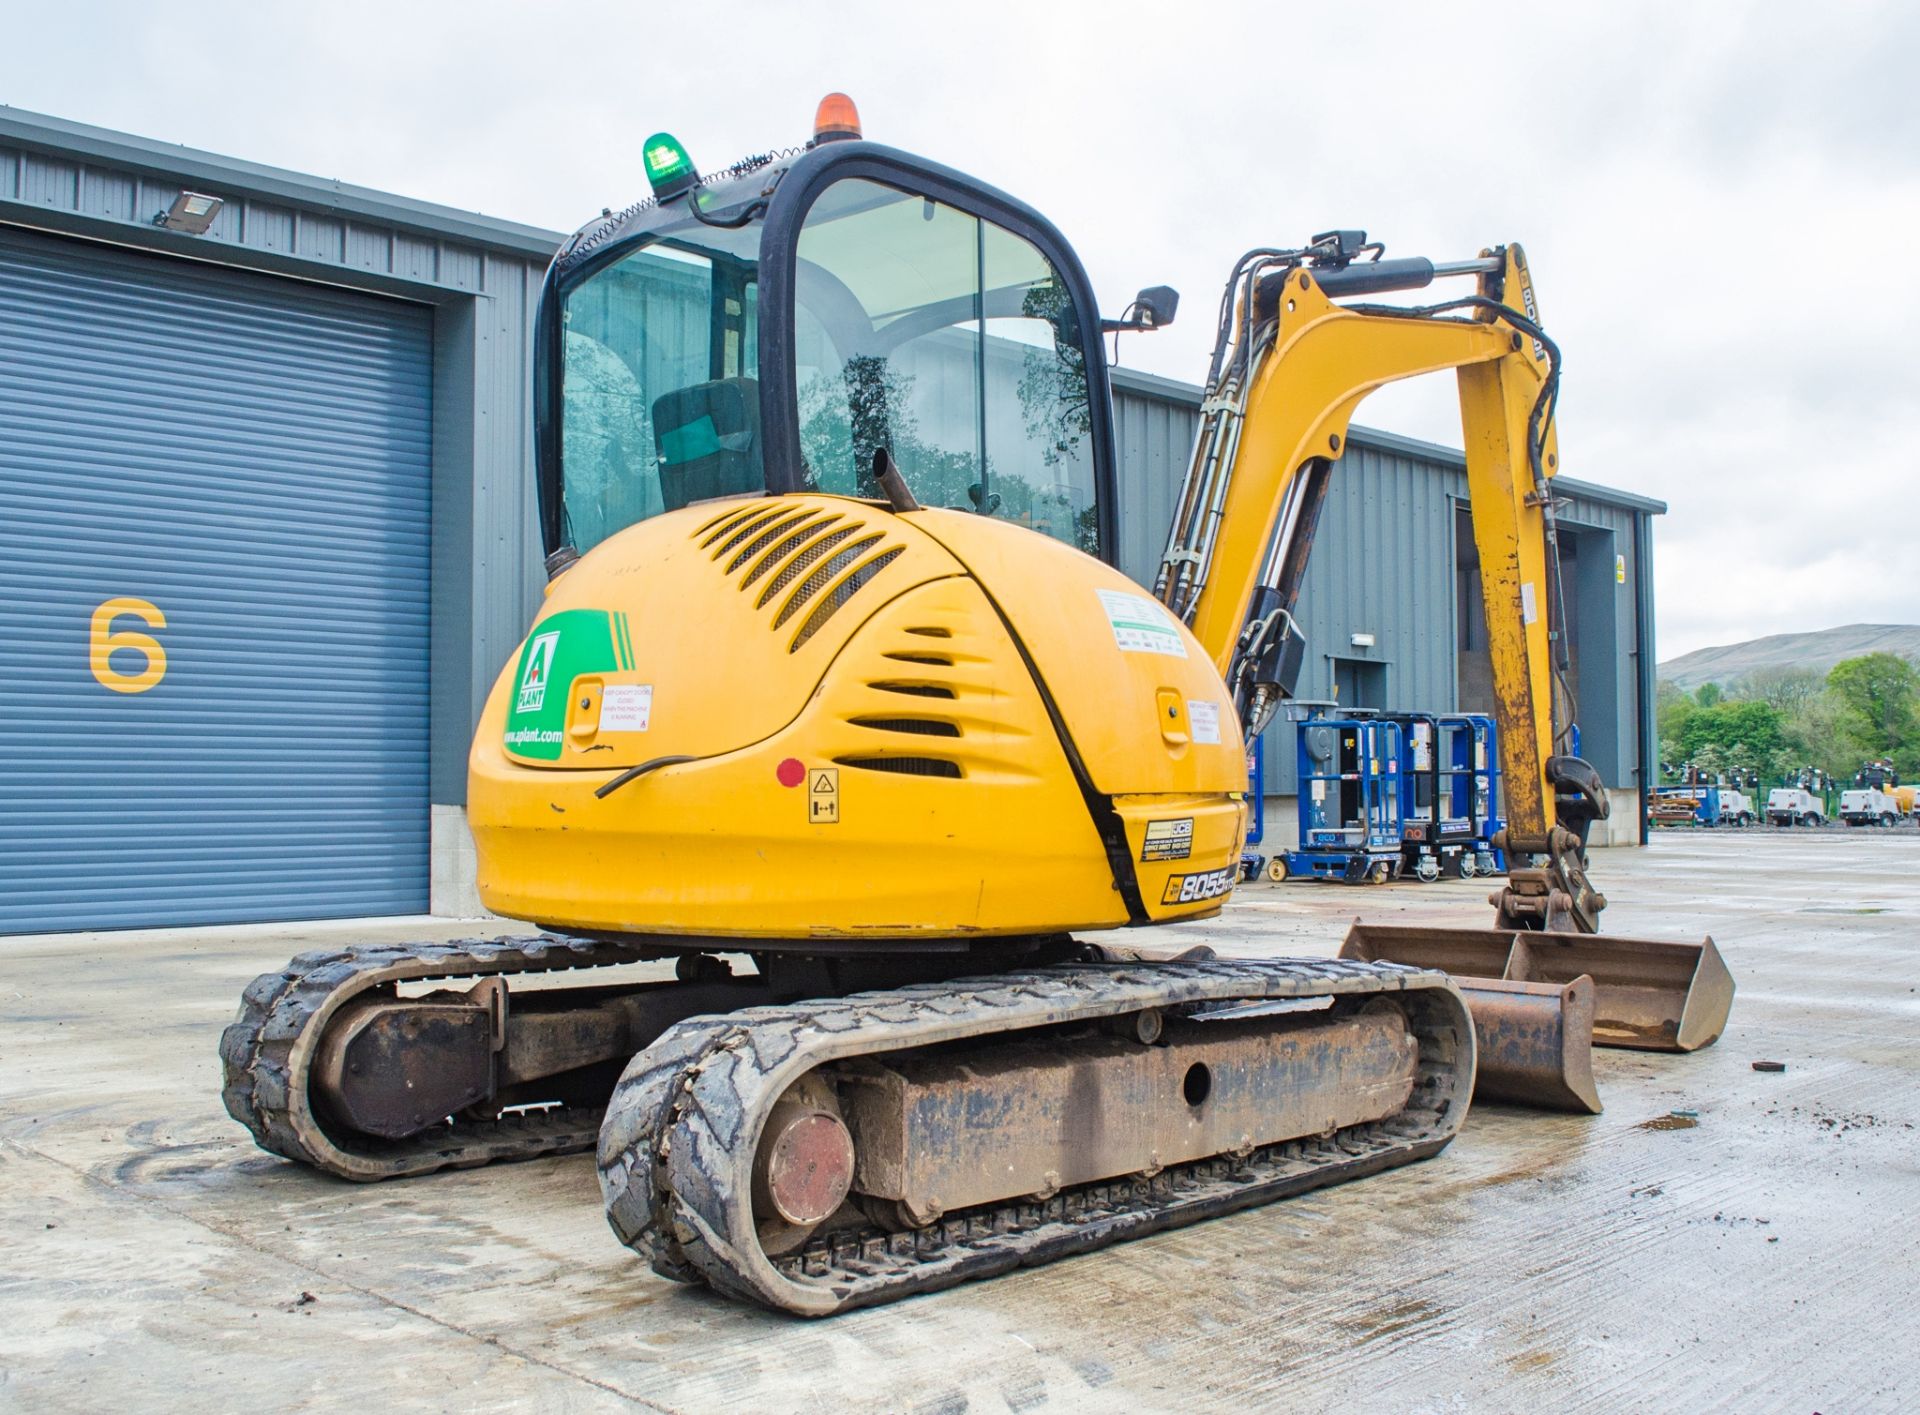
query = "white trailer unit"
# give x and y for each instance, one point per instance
(1868, 805)
(1790, 805)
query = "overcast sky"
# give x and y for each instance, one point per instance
(1718, 200)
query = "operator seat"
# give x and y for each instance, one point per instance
(707, 437)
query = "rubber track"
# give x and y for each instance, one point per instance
(677, 1145)
(266, 1050)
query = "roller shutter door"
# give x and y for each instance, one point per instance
(213, 594)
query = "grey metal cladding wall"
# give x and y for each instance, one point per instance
(1614, 750)
(1153, 426)
(508, 565)
(66, 174)
(251, 456)
(1381, 565)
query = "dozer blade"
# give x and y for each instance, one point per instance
(1535, 1042)
(1649, 995)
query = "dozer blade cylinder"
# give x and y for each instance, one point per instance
(1649, 994)
(1534, 1042)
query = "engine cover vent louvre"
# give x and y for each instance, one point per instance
(787, 546)
(918, 690)
(918, 726)
(935, 659)
(723, 523)
(797, 566)
(841, 592)
(736, 533)
(764, 539)
(932, 632)
(904, 766)
(822, 576)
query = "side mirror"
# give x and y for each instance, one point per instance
(1152, 308)
(1155, 306)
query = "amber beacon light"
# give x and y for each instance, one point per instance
(835, 118)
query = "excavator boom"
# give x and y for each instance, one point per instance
(1291, 365)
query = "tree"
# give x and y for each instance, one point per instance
(1707, 694)
(1813, 734)
(1879, 696)
(1735, 734)
(1673, 706)
(1788, 691)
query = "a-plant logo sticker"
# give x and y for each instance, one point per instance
(533, 678)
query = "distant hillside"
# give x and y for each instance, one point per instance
(1818, 650)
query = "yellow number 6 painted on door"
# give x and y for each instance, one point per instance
(104, 640)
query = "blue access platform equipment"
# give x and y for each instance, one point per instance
(1350, 801)
(1449, 795)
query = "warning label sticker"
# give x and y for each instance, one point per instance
(823, 795)
(1140, 625)
(1168, 840)
(626, 707)
(1205, 718)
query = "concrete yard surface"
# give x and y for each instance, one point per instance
(1762, 1258)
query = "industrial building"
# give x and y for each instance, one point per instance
(269, 534)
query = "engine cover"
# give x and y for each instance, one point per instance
(806, 719)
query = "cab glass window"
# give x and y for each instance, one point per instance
(660, 403)
(951, 342)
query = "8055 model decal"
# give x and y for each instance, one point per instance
(1191, 889)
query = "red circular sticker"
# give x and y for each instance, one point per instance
(791, 772)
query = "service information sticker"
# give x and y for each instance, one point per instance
(1205, 718)
(1140, 625)
(1168, 840)
(626, 707)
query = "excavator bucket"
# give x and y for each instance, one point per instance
(1535, 1042)
(1649, 994)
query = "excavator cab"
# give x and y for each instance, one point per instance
(769, 330)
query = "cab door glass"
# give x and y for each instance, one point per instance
(660, 403)
(951, 342)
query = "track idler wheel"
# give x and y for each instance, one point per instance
(803, 1168)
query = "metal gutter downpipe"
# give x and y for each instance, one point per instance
(1643, 666)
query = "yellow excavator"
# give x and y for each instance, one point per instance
(838, 701)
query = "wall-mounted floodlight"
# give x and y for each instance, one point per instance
(191, 212)
(1362, 641)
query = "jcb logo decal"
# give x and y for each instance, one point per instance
(1191, 889)
(104, 641)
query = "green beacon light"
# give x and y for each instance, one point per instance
(669, 169)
